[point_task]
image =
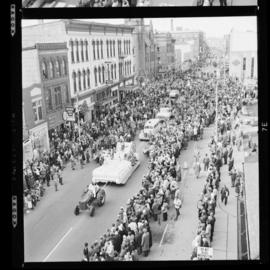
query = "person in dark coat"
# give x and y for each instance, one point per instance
(224, 194)
(145, 243)
(86, 252)
(230, 164)
(117, 241)
(223, 2)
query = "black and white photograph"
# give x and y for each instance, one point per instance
(140, 138)
(132, 3)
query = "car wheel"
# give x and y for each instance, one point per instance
(77, 211)
(91, 210)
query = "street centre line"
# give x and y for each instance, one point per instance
(163, 235)
(58, 244)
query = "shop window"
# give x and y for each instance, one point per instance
(67, 94)
(107, 46)
(44, 70)
(74, 81)
(110, 48)
(37, 109)
(58, 97)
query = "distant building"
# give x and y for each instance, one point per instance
(190, 41)
(243, 56)
(165, 51)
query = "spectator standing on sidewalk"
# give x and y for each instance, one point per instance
(60, 175)
(56, 180)
(233, 175)
(177, 206)
(164, 210)
(206, 161)
(224, 194)
(223, 2)
(145, 242)
(230, 164)
(86, 252)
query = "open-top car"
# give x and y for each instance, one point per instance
(90, 200)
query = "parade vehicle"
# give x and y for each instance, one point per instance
(165, 113)
(90, 201)
(117, 166)
(151, 127)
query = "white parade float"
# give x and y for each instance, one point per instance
(117, 167)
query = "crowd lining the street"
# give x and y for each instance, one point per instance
(130, 236)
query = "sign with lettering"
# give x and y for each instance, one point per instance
(68, 114)
(205, 253)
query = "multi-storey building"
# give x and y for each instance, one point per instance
(46, 91)
(165, 51)
(100, 59)
(243, 56)
(144, 49)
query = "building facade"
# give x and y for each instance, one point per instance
(100, 60)
(165, 51)
(46, 91)
(243, 56)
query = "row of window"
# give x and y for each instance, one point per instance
(56, 97)
(81, 79)
(54, 68)
(79, 49)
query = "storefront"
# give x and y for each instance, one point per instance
(27, 151)
(115, 94)
(39, 137)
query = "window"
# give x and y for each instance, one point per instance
(114, 48)
(77, 51)
(72, 50)
(107, 45)
(82, 54)
(58, 97)
(94, 52)
(86, 50)
(65, 88)
(79, 80)
(112, 71)
(51, 69)
(37, 109)
(84, 80)
(97, 49)
(64, 67)
(74, 81)
(110, 48)
(44, 70)
(95, 73)
(99, 74)
(88, 78)
(49, 103)
(101, 49)
(252, 68)
(115, 71)
(244, 63)
(57, 68)
(103, 75)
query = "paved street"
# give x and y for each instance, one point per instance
(53, 218)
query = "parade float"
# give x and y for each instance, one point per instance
(118, 165)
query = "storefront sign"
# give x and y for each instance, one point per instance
(68, 114)
(205, 253)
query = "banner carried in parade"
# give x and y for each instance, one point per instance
(205, 253)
